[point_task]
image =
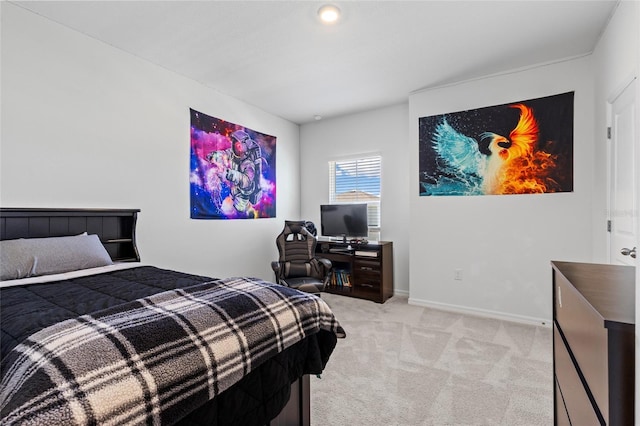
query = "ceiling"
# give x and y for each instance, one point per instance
(277, 56)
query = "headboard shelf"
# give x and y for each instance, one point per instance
(116, 228)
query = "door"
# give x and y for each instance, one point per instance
(624, 178)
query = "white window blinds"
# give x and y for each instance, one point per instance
(357, 181)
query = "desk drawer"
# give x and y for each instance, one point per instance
(577, 403)
(367, 265)
(584, 330)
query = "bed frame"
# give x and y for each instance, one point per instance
(116, 228)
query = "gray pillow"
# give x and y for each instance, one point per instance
(29, 257)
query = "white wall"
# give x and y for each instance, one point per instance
(503, 244)
(87, 125)
(382, 131)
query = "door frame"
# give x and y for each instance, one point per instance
(610, 100)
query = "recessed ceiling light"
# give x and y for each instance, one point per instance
(329, 14)
(317, 117)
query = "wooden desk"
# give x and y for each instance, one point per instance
(364, 271)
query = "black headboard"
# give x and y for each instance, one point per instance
(116, 228)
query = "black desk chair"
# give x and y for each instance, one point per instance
(298, 267)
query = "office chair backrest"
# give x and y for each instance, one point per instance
(297, 247)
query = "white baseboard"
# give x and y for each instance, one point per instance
(401, 293)
(481, 312)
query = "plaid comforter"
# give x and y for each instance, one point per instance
(167, 353)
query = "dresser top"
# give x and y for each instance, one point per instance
(610, 289)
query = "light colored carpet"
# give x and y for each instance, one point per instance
(408, 365)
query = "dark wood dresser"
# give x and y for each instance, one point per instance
(593, 343)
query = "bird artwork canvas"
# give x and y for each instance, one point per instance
(523, 147)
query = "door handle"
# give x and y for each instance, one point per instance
(628, 252)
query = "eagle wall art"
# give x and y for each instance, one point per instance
(517, 148)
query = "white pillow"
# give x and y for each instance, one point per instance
(29, 257)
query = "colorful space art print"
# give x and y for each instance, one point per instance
(233, 170)
(517, 148)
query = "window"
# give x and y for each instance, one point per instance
(358, 181)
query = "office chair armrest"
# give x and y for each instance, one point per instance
(326, 263)
(277, 270)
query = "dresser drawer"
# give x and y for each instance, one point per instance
(561, 416)
(573, 393)
(583, 327)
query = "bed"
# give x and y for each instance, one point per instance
(92, 336)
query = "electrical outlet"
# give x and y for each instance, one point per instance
(457, 274)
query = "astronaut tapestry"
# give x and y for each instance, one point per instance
(233, 170)
(517, 148)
